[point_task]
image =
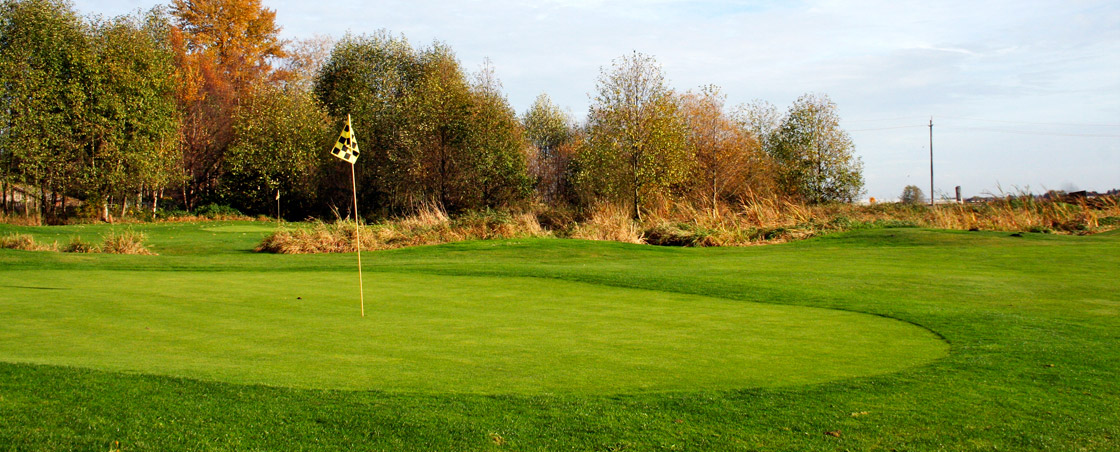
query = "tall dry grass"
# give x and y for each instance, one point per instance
(427, 227)
(770, 220)
(754, 222)
(126, 241)
(25, 242)
(115, 242)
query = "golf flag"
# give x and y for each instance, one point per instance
(347, 146)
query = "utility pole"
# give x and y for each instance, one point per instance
(931, 160)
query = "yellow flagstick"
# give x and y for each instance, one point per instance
(358, 235)
(347, 149)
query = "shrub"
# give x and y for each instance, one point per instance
(77, 245)
(218, 212)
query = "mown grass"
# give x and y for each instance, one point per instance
(1032, 322)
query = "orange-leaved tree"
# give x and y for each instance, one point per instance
(224, 50)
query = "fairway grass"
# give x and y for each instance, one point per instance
(441, 334)
(877, 340)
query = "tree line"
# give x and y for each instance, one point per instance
(200, 102)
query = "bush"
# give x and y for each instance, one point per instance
(218, 211)
(77, 245)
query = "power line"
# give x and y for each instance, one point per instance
(885, 128)
(1031, 132)
(1067, 124)
(988, 129)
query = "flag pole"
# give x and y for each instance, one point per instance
(358, 236)
(346, 148)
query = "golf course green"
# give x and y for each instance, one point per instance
(438, 333)
(877, 339)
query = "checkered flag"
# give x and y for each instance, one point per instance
(346, 147)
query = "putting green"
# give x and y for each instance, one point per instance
(429, 333)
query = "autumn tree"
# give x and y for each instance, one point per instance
(44, 57)
(240, 35)
(553, 136)
(815, 156)
(225, 49)
(729, 161)
(637, 143)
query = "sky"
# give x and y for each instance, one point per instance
(1024, 95)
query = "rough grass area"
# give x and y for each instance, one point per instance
(126, 241)
(762, 221)
(430, 226)
(24, 242)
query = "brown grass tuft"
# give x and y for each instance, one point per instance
(429, 226)
(608, 222)
(24, 242)
(124, 242)
(77, 245)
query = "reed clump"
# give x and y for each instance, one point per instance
(25, 242)
(127, 241)
(428, 226)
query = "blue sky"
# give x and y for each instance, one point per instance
(1023, 94)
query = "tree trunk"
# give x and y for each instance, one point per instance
(637, 205)
(105, 210)
(43, 201)
(155, 200)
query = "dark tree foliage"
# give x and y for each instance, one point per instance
(429, 137)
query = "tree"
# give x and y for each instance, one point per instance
(44, 56)
(761, 119)
(552, 134)
(305, 58)
(815, 157)
(911, 194)
(224, 50)
(729, 161)
(133, 121)
(280, 137)
(240, 35)
(497, 141)
(637, 138)
(431, 137)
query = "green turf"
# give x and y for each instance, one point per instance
(437, 333)
(1032, 324)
